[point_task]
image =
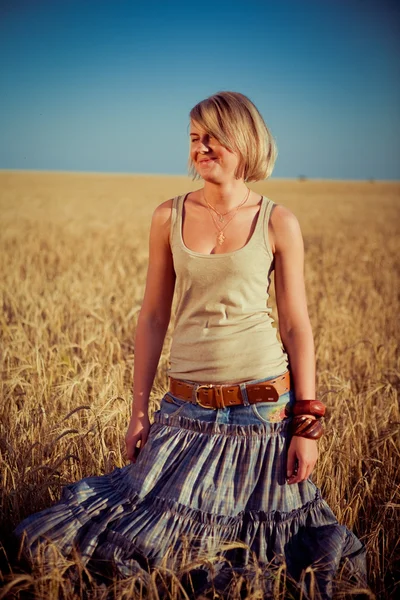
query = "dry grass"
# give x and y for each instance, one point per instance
(73, 265)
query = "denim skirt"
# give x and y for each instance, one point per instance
(205, 480)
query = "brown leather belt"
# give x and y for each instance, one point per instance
(219, 396)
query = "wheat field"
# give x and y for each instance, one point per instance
(73, 262)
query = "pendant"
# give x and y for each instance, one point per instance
(221, 218)
(221, 238)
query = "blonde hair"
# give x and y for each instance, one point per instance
(236, 123)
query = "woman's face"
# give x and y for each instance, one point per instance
(212, 161)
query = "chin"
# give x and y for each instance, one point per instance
(211, 178)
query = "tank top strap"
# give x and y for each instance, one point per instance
(175, 219)
(268, 206)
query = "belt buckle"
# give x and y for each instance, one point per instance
(208, 386)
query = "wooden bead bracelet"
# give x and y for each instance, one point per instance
(306, 407)
(303, 425)
(307, 427)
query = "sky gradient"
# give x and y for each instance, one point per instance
(95, 85)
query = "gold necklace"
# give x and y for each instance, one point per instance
(221, 216)
(220, 236)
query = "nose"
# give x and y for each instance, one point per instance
(201, 146)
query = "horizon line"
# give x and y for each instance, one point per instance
(299, 178)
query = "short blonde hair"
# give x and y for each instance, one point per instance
(236, 123)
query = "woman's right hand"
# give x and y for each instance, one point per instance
(138, 430)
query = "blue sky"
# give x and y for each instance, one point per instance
(95, 85)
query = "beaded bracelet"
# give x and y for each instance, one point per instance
(304, 426)
(306, 407)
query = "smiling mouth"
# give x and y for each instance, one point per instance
(206, 160)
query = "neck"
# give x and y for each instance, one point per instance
(225, 196)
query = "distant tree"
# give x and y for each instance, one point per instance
(371, 180)
(302, 178)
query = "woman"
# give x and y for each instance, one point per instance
(231, 450)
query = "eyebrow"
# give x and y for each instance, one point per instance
(195, 133)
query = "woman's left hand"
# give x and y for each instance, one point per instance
(301, 459)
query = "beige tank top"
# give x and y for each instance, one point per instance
(223, 329)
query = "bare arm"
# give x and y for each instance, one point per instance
(152, 323)
(294, 328)
(294, 322)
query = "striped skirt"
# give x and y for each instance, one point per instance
(204, 480)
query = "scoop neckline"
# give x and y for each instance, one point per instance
(221, 254)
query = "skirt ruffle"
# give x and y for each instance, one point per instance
(195, 487)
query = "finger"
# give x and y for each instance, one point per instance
(306, 474)
(290, 464)
(131, 453)
(309, 471)
(301, 471)
(137, 449)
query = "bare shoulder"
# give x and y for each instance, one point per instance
(283, 228)
(161, 220)
(162, 212)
